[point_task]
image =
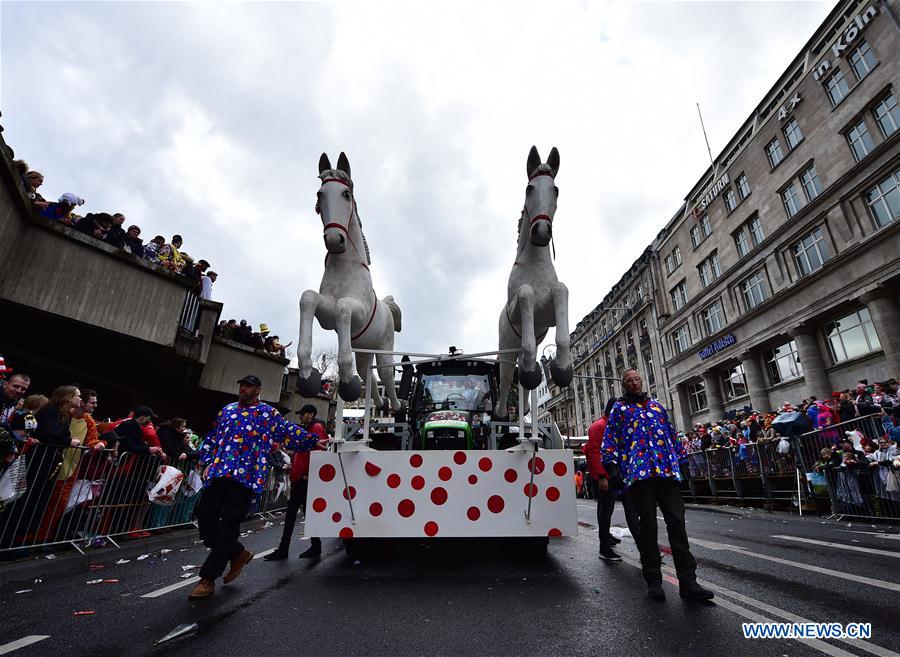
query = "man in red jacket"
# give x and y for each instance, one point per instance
(609, 491)
(299, 488)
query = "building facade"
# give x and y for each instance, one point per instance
(778, 278)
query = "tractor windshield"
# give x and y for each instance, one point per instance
(464, 392)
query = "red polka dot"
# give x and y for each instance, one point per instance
(418, 482)
(375, 509)
(495, 504)
(531, 490)
(445, 473)
(352, 492)
(554, 532)
(336, 517)
(371, 469)
(474, 513)
(431, 528)
(346, 532)
(511, 475)
(459, 458)
(538, 465)
(415, 460)
(473, 479)
(553, 493)
(319, 504)
(439, 495)
(327, 472)
(406, 508)
(393, 480)
(560, 469)
(485, 464)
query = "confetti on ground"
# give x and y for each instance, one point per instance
(38, 581)
(96, 566)
(24, 591)
(50, 556)
(186, 575)
(85, 613)
(164, 551)
(94, 581)
(110, 581)
(178, 632)
(190, 566)
(121, 561)
(142, 557)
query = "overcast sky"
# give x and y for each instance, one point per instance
(208, 120)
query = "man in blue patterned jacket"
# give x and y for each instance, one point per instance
(641, 447)
(235, 456)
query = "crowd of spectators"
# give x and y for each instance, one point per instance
(110, 229)
(68, 450)
(243, 333)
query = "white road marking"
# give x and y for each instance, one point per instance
(895, 537)
(192, 580)
(840, 546)
(879, 583)
(7, 648)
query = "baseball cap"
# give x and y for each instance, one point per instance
(250, 379)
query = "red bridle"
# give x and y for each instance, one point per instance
(342, 227)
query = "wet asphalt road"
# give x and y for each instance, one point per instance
(470, 598)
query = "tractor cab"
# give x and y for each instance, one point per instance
(450, 404)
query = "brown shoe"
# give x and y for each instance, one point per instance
(237, 565)
(205, 588)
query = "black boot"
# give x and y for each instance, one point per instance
(312, 553)
(655, 591)
(693, 591)
(277, 555)
(613, 540)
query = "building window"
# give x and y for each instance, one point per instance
(756, 231)
(852, 336)
(812, 186)
(743, 186)
(676, 256)
(774, 152)
(742, 242)
(710, 269)
(681, 339)
(783, 363)
(887, 113)
(884, 200)
(669, 267)
(734, 383)
(860, 140)
(791, 199)
(836, 87)
(697, 396)
(811, 252)
(754, 290)
(713, 318)
(862, 60)
(679, 296)
(730, 199)
(792, 134)
(705, 226)
(695, 236)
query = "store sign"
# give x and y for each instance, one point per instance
(789, 106)
(717, 346)
(603, 338)
(710, 195)
(845, 40)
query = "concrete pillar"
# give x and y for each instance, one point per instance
(579, 410)
(684, 407)
(885, 312)
(756, 383)
(713, 395)
(817, 382)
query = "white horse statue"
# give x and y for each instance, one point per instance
(346, 301)
(536, 299)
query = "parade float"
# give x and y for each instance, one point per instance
(449, 465)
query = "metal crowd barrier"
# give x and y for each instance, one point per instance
(759, 471)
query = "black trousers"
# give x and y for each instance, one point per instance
(606, 504)
(299, 489)
(223, 505)
(664, 492)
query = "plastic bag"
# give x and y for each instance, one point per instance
(784, 446)
(164, 490)
(82, 491)
(192, 484)
(13, 483)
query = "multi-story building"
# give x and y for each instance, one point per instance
(781, 270)
(778, 277)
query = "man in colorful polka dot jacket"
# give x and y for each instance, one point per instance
(641, 447)
(235, 455)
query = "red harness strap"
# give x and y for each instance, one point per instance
(519, 335)
(341, 227)
(371, 317)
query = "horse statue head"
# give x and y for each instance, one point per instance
(336, 205)
(540, 199)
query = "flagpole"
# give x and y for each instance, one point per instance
(706, 139)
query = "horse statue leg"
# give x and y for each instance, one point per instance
(309, 379)
(386, 375)
(349, 386)
(529, 372)
(508, 340)
(561, 365)
(363, 363)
